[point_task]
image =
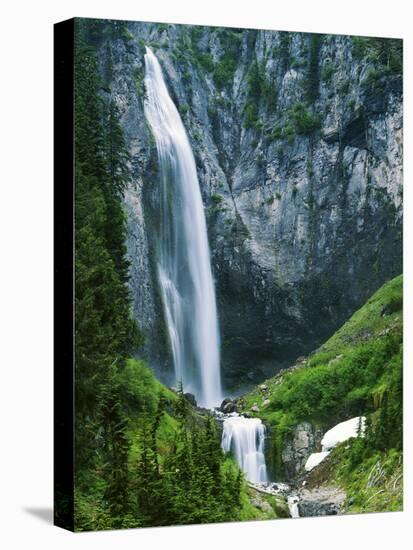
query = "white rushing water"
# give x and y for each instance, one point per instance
(292, 502)
(245, 438)
(184, 266)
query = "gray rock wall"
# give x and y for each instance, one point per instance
(303, 225)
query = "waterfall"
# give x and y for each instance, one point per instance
(183, 258)
(245, 437)
(292, 503)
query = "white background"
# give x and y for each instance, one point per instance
(26, 272)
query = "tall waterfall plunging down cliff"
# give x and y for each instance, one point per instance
(184, 267)
(245, 437)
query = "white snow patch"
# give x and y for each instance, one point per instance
(343, 431)
(314, 460)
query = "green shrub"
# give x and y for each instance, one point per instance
(277, 132)
(154, 45)
(280, 152)
(254, 79)
(359, 46)
(139, 388)
(372, 79)
(312, 81)
(211, 110)
(162, 27)
(206, 61)
(251, 119)
(261, 88)
(216, 198)
(284, 49)
(288, 133)
(304, 122)
(269, 93)
(260, 160)
(196, 33)
(186, 78)
(224, 70)
(139, 82)
(327, 72)
(310, 168)
(344, 87)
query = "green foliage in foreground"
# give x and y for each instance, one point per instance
(177, 472)
(357, 371)
(105, 334)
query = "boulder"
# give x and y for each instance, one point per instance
(281, 508)
(191, 398)
(225, 402)
(299, 447)
(255, 409)
(229, 407)
(323, 501)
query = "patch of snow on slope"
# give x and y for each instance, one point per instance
(343, 431)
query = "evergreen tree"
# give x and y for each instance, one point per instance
(105, 334)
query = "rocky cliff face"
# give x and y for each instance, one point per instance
(298, 147)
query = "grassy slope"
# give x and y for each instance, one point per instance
(347, 376)
(374, 485)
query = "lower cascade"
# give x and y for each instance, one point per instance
(245, 438)
(292, 502)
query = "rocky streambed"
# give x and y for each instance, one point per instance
(309, 490)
